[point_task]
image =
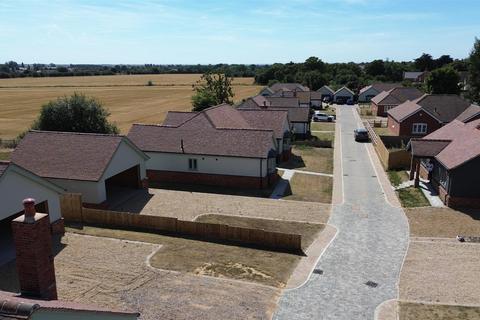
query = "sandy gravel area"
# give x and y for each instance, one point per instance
(114, 273)
(188, 205)
(441, 272)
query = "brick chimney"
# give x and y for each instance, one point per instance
(33, 245)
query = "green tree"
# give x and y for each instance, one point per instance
(474, 72)
(313, 63)
(443, 80)
(212, 90)
(424, 62)
(443, 60)
(76, 113)
(375, 68)
(314, 80)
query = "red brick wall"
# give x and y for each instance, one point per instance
(393, 126)
(419, 117)
(208, 179)
(375, 109)
(58, 227)
(33, 246)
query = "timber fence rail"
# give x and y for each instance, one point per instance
(73, 211)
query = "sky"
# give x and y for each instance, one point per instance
(228, 31)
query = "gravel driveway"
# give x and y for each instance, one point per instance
(369, 246)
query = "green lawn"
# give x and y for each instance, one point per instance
(325, 136)
(322, 126)
(397, 177)
(5, 155)
(412, 197)
(311, 188)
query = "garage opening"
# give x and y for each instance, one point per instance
(7, 248)
(123, 186)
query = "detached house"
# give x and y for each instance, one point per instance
(217, 146)
(387, 100)
(425, 114)
(99, 166)
(309, 99)
(288, 87)
(343, 95)
(326, 93)
(368, 92)
(415, 76)
(454, 152)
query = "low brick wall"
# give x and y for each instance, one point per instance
(208, 231)
(207, 179)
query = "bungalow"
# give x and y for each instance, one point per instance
(102, 167)
(217, 146)
(387, 100)
(266, 92)
(368, 92)
(16, 184)
(425, 114)
(415, 76)
(298, 117)
(453, 152)
(288, 87)
(326, 93)
(309, 99)
(343, 95)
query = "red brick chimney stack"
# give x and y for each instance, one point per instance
(33, 245)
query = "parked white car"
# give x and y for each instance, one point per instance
(323, 117)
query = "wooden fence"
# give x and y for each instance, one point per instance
(72, 210)
(396, 158)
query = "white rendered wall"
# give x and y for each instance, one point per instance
(235, 166)
(15, 187)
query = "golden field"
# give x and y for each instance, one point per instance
(127, 97)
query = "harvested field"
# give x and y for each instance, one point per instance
(443, 222)
(188, 205)
(113, 273)
(310, 159)
(444, 272)
(414, 311)
(307, 187)
(209, 258)
(308, 231)
(322, 126)
(126, 97)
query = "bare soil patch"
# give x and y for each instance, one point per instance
(443, 222)
(208, 258)
(307, 187)
(445, 272)
(308, 231)
(188, 205)
(414, 311)
(310, 159)
(113, 273)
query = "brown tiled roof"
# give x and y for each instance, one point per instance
(226, 116)
(381, 86)
(464, 144)
(444, 107)
(66, 155)
(176, 118)
(295, 113)
(266, 119)
(427, 148)
(397, 96)
(249, 143)
(288, 86)
(404, 110)
(282, 102)
(470, 113)
(304, 96)
(30, 305)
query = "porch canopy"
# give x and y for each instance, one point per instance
(423, 149)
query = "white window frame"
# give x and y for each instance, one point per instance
(192, 164)
(419, 128)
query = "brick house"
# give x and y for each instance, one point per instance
(368, 92)
(387, 100)
(454, 152)
(99, 166)
(472, 113)
(426, 114)
(217, 146)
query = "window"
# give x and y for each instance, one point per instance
(419, 128)
(192, 164)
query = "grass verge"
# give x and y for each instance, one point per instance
(311, 188)
(208, 258)
(397, 177)
(309, 158)
(411, 311)
(322, 126)
(308, 231)
(412, 197)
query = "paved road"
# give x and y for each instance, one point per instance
(369, 246)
